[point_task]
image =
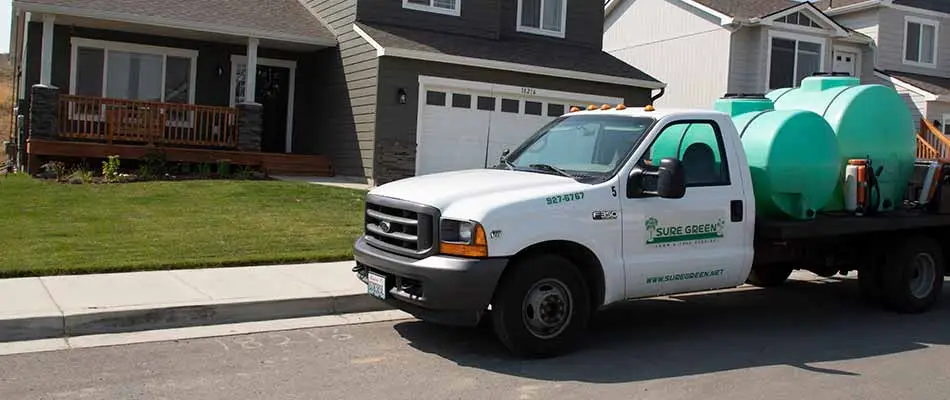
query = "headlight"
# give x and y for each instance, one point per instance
(463, 238)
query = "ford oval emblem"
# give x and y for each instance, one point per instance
(385, 226)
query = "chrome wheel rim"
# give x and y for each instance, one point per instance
(922, 275)
(547, 308)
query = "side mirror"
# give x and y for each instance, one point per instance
(504, 155)
(669, 181)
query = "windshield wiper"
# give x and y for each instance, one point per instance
(552, 168)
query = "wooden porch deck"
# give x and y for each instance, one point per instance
(272, 163)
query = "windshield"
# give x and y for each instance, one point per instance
(583, 146)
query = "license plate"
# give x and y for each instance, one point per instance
(376, 285)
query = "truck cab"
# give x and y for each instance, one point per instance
(598, 206)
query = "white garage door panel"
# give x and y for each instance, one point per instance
(462, 121)
(457, 141)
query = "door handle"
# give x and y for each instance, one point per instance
(736, 210)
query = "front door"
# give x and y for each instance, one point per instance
(845, 61)
(690, 243)
(273, 84)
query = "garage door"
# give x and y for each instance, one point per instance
(464, 124)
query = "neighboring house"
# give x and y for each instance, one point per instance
(706, 48)
(384, 88)
(912, 48)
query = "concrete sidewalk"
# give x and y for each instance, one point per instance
(68, 306)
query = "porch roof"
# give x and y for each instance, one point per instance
(280, 20)
(934, 85)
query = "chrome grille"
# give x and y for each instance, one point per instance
(400, 227)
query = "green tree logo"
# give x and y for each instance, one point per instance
(651, 224)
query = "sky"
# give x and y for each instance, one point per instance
(6, 8)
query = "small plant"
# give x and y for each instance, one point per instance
(80, 175)
(110, 169)
(55, 169)
(204, 170)
(145, 172)
(184, 168)
(244, 172)
(156, 162)
(224, 168)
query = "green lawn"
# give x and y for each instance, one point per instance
(53, 228)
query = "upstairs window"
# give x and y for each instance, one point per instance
(449, 7)
(798, 18)
(543, 17)
(920, 42)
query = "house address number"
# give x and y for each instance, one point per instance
(529, 91)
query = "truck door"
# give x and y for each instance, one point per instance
(694, 242)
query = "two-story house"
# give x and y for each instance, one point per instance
(384, 89)
(911, 48)
(703, 49)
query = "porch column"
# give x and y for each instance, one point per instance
(250, 113)
(46, 63)
(250, 87)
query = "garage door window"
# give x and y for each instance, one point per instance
(555, 110)
(510, 106)
(434, 98)
(486, 103)
(532, 108)
(461, 100)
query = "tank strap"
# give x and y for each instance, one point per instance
(835, 98)
(761, 113)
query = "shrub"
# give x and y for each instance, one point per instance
(110, 169)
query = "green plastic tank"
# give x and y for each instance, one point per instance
(870, 121)
(793, 154)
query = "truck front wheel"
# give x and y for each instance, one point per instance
(912, 277)
(542, 307)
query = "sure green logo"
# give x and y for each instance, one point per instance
(683, 233)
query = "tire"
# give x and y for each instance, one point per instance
(912, 277)
(543, 281)
(769, 275)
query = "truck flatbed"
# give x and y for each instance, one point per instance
(831, 225)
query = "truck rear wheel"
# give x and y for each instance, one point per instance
(542, 307)
(769, 275)
(912, 277)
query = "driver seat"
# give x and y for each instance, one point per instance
(699, 164)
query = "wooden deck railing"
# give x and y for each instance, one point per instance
(131, 121)
(931, 143)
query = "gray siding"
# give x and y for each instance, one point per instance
(396, 143)
(344, 92)
(890, 44)
(479, 17)
(584, 27)
(746, 57)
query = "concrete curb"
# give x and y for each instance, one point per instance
(93, 322)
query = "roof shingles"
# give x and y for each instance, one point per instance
(748, 8)
(279, 17)
(513, 50)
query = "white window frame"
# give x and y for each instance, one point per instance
(921, 21)
(270, 62)
(457, 11)
(540, 29)
(823, 42)
(858, 72)
(106, 47)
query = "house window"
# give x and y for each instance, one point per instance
(448, 7)
(797, 18)
(545, 17)
(792, 60)
(126, 71)
(920, 42)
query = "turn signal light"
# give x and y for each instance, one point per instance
(575, 109)
(477, 248)
(649, 107)
(591, 107)
(621, 107)
(605, 107)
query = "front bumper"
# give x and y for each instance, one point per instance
(442, 289)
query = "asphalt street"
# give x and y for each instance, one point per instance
(806, 340)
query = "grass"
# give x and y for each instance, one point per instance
(54, 228)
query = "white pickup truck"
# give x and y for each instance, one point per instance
(578, 217)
